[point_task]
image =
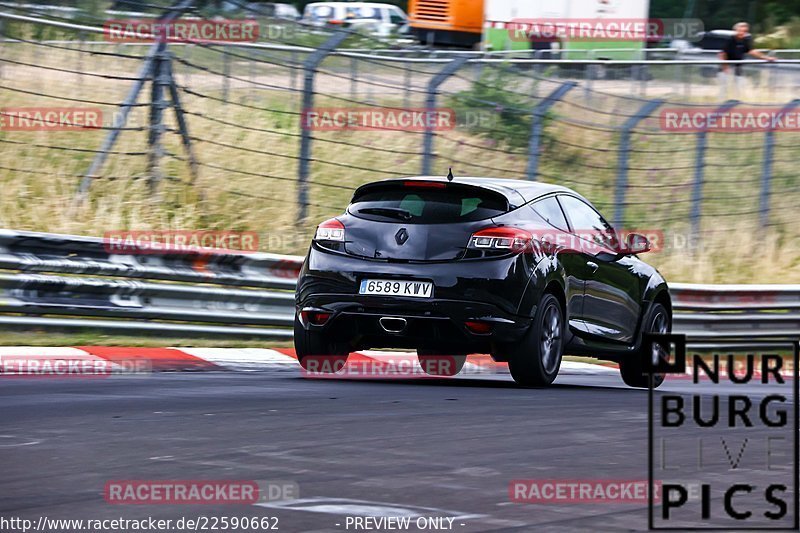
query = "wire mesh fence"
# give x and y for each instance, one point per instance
(722, 202)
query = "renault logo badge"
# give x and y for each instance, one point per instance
(401, 236)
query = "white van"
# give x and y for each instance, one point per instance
(379, 19)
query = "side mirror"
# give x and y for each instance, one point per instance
(636, 243)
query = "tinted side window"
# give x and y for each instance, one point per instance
(549, 210)
(588, 223)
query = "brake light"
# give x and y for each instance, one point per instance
(330, 230)
(501, 239)
(425, 184)
(477, 327)
(317, 318)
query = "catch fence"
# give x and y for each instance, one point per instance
(215, 135)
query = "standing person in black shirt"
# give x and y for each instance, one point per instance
(740, 45)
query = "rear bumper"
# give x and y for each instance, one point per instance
(487, 291)
(430, 324)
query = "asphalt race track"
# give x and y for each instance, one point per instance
(434, 447)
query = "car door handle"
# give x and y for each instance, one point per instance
(592, 266)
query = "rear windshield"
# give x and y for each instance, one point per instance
(423, 205)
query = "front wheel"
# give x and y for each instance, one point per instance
(631, 367)
(535, 361)
(316, 353)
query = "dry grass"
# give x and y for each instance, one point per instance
(253, 140)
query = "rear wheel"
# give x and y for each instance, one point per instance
(534, 362)
(631, 368)
(316, 353)
(440, 365)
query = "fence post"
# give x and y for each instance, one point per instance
(430, 103)
(155, 150)
(79, 59)
(353, 77)
(309, 70)
(644, 73)
(686, 76)
(251, 60)
(145, 73)
(537, 124)
(406, 85)
(3, 36)
(180, 118)
(226, 74)
(187, 70)
(699, 170)
(766, 173)
(370, 87)
(624, 152)
(588, 76)
(293, 73)
(120, 119)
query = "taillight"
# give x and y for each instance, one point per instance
(502, 239)
(317, 318)
(330, 230)
(478, 327)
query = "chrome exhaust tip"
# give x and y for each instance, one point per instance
(391, 324)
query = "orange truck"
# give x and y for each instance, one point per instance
(456, 23)
(468, 23)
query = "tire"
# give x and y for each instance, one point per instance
(631, 368)
(534, 362)
(316, 353)
(440, 365)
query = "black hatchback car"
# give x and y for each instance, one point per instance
(524, 271)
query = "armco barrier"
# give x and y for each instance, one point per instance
(749, 312)
(69, 282)
(50, 281)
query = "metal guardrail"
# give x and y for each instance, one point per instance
(187, 292)
(50, 281)
(748, 312)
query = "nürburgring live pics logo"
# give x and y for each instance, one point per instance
(724, 445)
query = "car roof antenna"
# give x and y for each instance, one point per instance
(450, 174)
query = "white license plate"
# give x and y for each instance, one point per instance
(388, 287)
